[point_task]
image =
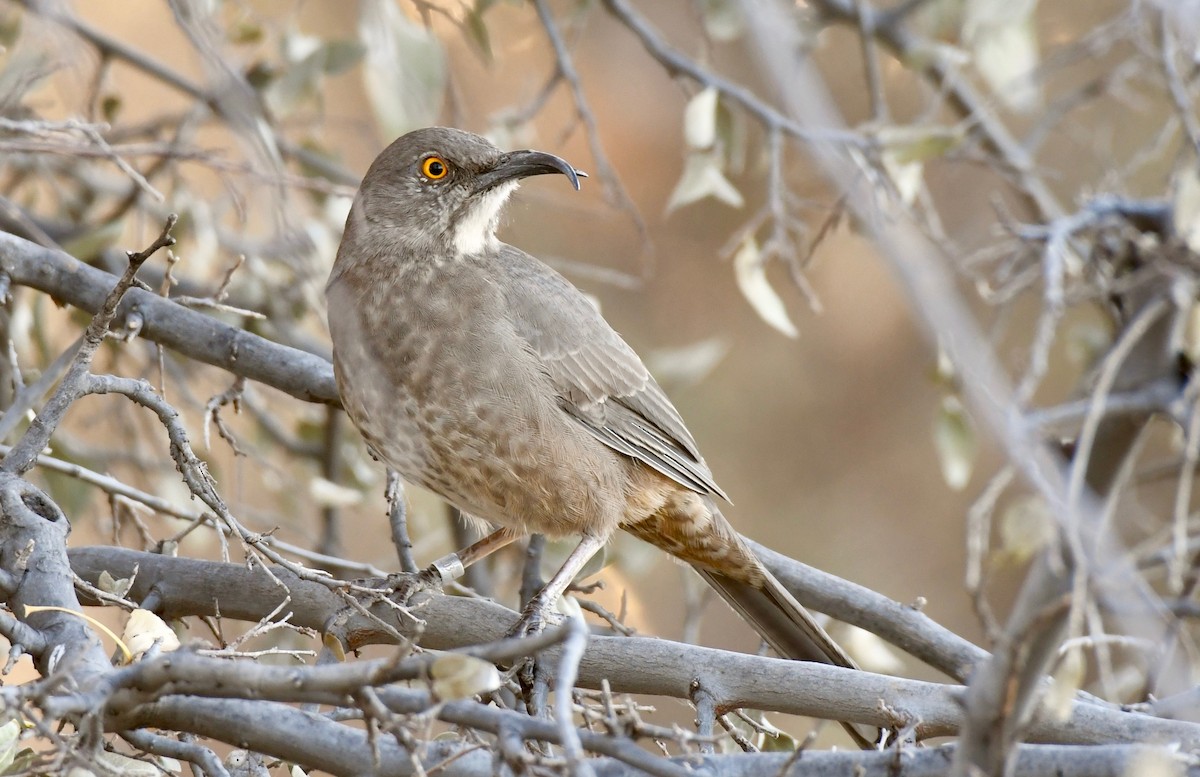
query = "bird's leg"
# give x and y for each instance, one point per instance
(531, 673)
(534, 616)
(450, 567)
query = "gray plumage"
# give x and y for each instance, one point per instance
(480, 373)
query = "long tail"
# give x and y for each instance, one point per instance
(789, 628)
(715, 549)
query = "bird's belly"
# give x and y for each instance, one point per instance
(487, 443)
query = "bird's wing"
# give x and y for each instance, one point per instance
(600, 380)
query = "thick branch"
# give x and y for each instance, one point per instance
(189, 332)
(185, 587)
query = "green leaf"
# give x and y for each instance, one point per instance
(22, 763)
(779, 743)
(341, 55)
(245, 32)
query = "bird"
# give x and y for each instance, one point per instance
(480, 373)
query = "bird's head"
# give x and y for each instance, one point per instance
(440, 190)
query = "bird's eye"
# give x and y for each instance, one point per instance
(434, 168)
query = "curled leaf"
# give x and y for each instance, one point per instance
(703, 177)
(752, 281)
(115, 586)
(144, 630)
(33, 608)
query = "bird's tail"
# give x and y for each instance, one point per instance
(789, 628)
(726, 562)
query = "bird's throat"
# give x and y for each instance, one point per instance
(474, 230)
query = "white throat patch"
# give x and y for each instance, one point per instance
(476, 231)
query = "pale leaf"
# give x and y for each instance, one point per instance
(778, 743)
(144, 629)
(455, 676)
(326, 493)
(569, 606)
(1067, 681)
(1026, 526)
(1157, 762)
(125, 766)
(1185, 206)
(870, 651)
(1087, 341)
(702, 177)
(110, 585)
(404, 68)
(752, 281)
(10, 734)
(907, 148)
(723, 19)
(1001, 35)
(688, 364)
(700, 120)
(906, 176)
(955, 442)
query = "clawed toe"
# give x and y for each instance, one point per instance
(405, 585)
(535, 618)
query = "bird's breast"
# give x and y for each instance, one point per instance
(446, 392)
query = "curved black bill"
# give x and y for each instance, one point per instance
(522, 164)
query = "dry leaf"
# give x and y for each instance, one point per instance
(752, 281)
(703, 177)
(955, 442)
(1067, 681)
(326, 493)
(700, 120)
(1026, 526)
(455, 676)
(1185, 206)
(144, 629)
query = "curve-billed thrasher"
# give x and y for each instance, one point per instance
(480, 373)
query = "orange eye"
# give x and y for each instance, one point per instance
(434, 168)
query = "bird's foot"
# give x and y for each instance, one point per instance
(532, 673)
(403, 586)
(535, 618)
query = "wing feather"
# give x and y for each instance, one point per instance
(600, 380)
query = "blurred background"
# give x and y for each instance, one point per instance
(842, 447)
